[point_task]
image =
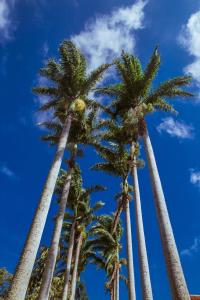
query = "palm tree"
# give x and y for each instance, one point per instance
(121, 134)
(68, 90)
(83, 136)
(5, 281)
(82, 217)
(142, 251)
(116, 161)
(135, 97)
(36, 278)
(108, 246)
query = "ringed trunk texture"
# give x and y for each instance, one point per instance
(142, 251)
(175, 273)
(25, 266)
(130, 266)
(53, 252)
(69, 262)
(75, 270)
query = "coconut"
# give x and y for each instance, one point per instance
(79, 105)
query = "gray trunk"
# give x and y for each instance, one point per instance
(25, 266)
(117, 217)
(131, 279)
(111, 293)
(117, 284)
(75, 270)
(143, 259)
(69, 262)
(174, 268)
(53, 252)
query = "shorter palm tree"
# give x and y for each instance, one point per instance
(80, 215)
(116, 161)
(108, 247)
(81, 133)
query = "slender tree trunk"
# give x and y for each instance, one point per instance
(75, 270)
(114, 288)
(175, 272)
(69, 262)
(53, 251)
(117, 217)
(143, 259)
(117, 284)
(25, 266)
(111, 293)
(130, 266)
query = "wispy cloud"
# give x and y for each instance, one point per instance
(176, 128)
(190, 40)
(195, 177)
(104, 38)
(193, 249)
(6, 23)
(5, 170)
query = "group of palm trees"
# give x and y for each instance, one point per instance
(115, 131)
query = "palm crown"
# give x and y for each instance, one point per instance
(68, 81)
(134, 96)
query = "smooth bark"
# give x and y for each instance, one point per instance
(142, 251)
(114, 288)
(111, 293)
(53, 251)
(175, 273)
(68, 263)
(117, 217)
(75, 270)
(117, 284)
(23, 271)
(130, 266)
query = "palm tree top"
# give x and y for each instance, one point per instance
(135, 89)
(67, 81)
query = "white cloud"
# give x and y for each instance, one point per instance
(176, 128)
(195, 177)
(190, 40)
(193, 249)
(7, 171)
(104, 38)
(6, 25)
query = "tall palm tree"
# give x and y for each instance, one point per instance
(142, 251)
(68, 90)
(83, 136)
(120, 134)
(135, 97)
(116, 162)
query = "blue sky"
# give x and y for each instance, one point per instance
(30, 32)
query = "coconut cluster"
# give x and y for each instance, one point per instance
(78, 106)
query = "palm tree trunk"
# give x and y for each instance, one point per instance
(53, 251)
(143, 259)
(117, 284)
(75, 270)
(69, 262)
(175, 272)
(111, 293)
(117, 217)
(131, 279)
(25, 266)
